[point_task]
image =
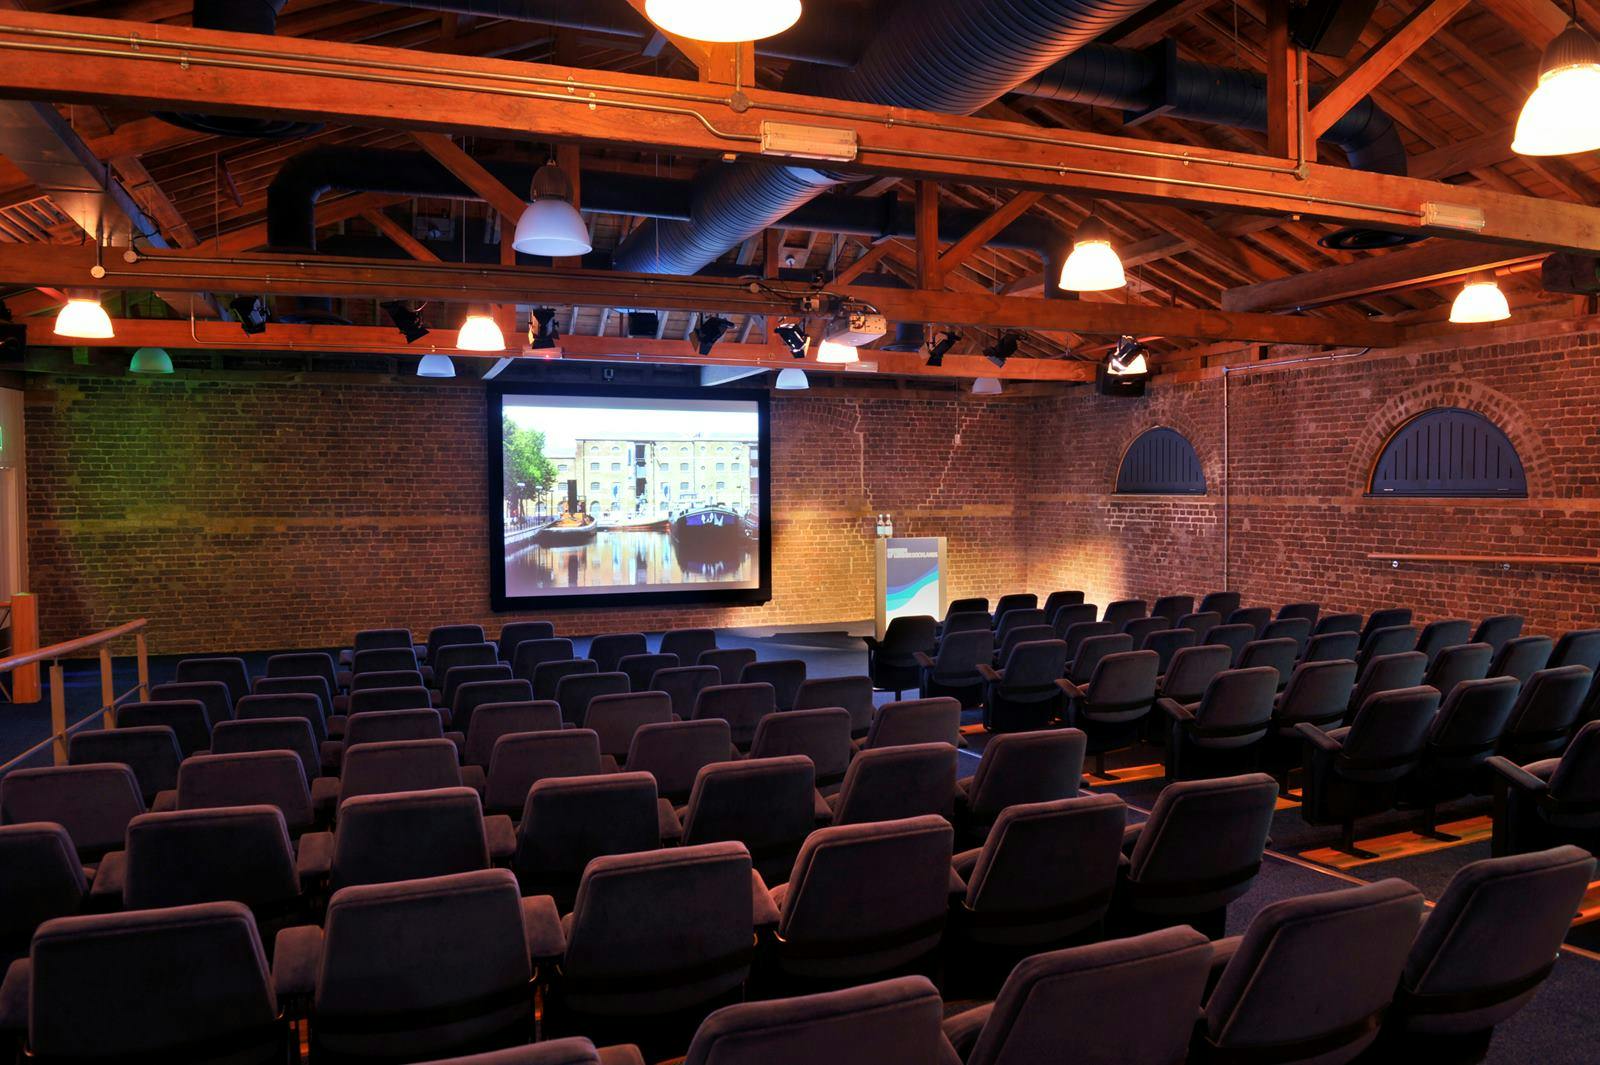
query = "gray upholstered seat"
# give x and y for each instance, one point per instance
(1296, 629)
(41, 877)
(268, 734)
(315, 686)
(1257, 617)
(915, 721)
(1223, 603)
(529, 655)
(1331, 623)
(1317, 694)
(490, 721)
(768, 804)
(1440, 633)
(378, 700)
(151, 751)
(1019, 635)
(406, 835)
(1386, 673)
(1014, 601)
(892, 661)
(1027, 692)
(1111, 707)
(784, 674)
(285, 704)
(1386, 618)
(1279, 654)
(574, 1050)
(683, 685)
(1463, 735)
(1121, 611)
(610, 649)
(953, 668)
(1550, 802)
(568, 821)
(513, 633)
(94, 803)
(854, 694)
(472, 694)
(1020, 618)
(1546, 714)
(460, 656)
(890, 783)
(303, 664)
(1334, 647)
(729, 662)
(1141, 629)
(272, 778)
(674, 752)
(1185, 680)
(641, 669)
(1017, 768)
(237, 853)
(1307, 612)
(522, 759)
(1227, 725)
(1060, 598)
(1521, 657)
(388, 678)
(615, 718)
(384, 660)
(1166, 644)
(1496, 629)
(1063, 618)
(1581, 647)
(742, 706)
(399, 765)
(547, 676)
(1468, 661)
(1090, 650)
(688, 644)
(573, 692)
(187, 718)
(1389, 640)
(1201, 622)
(1172, 607)
(822, 735)
(1233, 637)
(227, 669)
(442, 636)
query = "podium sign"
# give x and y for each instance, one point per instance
(910, 578)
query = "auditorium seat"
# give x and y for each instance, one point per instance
(1077, 614)
(513, 633)
(895, 782)
(784, 674)
(1549, 802)
(399, 765)
(1058, 599)
(674, 752)
(278, 704)
(462, 676)
(1014, 601)
(441, 636)
(688, 644)
(94, 803)
(915, 721)
(1201, 622)
(1257, 617)
(252, 778)
(407, 835)
(1388, 618)
(1318, 694)
(1043, 878)
(1356, 771)
(1468, 661)
(863, 900)
(1233, 637)
(575, 1050)
(229, 670)
(459, 655)
(1226, 726)
(1386, 673)
(371, 639)
(742, 706)
(1334, 647)
(1296, 629)
(267, 734)
(872, 1024)
(1190, 672)
(1122, 611)
(1200, 850)
(522, 759)
(1441, 633)
(317, 687)
(1167, 643)
(531, 654)
(1307, 612)
(822, 735)
(854, 694)
(575, 691)
(1172, 607)
(1342, 950)
(1546, 714)
(413, 969)
(652, 939)
(608, 650)
(767, 804)
(1497, 629)
(385, 660)
(683, 685)
(730, 661)
(187, 718)
(476, 694)
(1025, 634)
(568, 821)
(976, 604)
(384, 700)
(41, 877)
(1018, 768)
(491, 721)
(151, 751)
(389, 678)
(965, 621)
(892, 661)
(1025, 694)
(615, 718)
(640, 668)
(1110, 709)
(302, 664)
(547, 676)
(952, 669)
(1581, 647)
(1090, 652)
(1017, 618)
(383, 726)
(1332, 623)
(1140, 629)
(1128, 1000)
(1277, 655)
(1482, 954)
(103, 988)
(1463, 735)
(1521, 657)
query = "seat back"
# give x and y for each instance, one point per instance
(854, 694)
(317, 687)
(187, 718)
(1331, 623)
(1233, 637)
(1257, 617)
(1089, 654)
(396, 955)
(471, 695)
(765, 803)
(1222, 603)
(1202, 846)
(822, 735)
(568, 821)
(615, 718)
(1306, 612)
(1497, 629)
(1080, 997)
(674, 752)
(405, 835)
(610, 649)
(1441, 633)
(1388, 673)
(1072, 614)
(228, 670)
(268, 734)
(1025, 634)
(683, 685)
(1014, 601)
(1576, 779)
(1018, 618)
(383, 660)
(451, 655)
(302, 664)
(1342, 950)
(303, 705)
(1122, 687)
(1202, 622)
(147, 1018)
(1471, 721)
(1580, 647)
(972, 604)
(574, 691)
(1026, 767)
(41, 877)
(385, 700)
(547, 676)
(784, 674)
(442, 636)
(1318, 693)
(1334, 647)
(1122, 611)
(1277, 655)
(372, 639)
(520, 760)
(916, 721)
(381, 726)
(387, 678)
(512, 634)
(1172, 607)
(1386, 739)
(1140, 629)
(640, 669)
(490, 721)
(1392, 617)
(966, 621)
(742, 706)
(1546, 713)
(183, 857)
(1166, 644)
(1296, 629)
(1236, 708)
(889, 783)
(730, 661)
(1521, 657)
(150, 751)
(1191, 671)
(688, 644)
(1468, 661)
(94, 803)
(1058, 599)
(250, 778)
(451, 681)
(529, 655)
(960, 652)
(398, 765)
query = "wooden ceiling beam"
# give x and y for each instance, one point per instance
(472, 174)
(1411, 267)
(981, 234)
(1362, 77)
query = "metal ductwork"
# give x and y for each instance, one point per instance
(936, 55)
(239, 16)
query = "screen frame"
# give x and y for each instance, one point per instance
(711, 595)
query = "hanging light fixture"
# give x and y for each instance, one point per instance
(1561, 117)
(550, 225)
(793, 379)
(986, 386)
(1094, 265)
(1480, 300)
(150, 361)
(435, 365)
(831, 351)
(793, 335)
(480, 332)
(83, 317)
(723, 21)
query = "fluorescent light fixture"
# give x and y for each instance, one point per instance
(436, 365)
(792, 379)
(795, 141)
(835, 353)
(1480, 301)
(1094, 265)
(83, 317)
(987, 386)
(151, 361)
(480, 332)
(1562, 116)
(723, 21)
(550, 225)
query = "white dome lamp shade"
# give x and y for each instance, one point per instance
(986, 386)
(1094, 265)
(480, 332)
(792, 379)
(550, 225)
(1480, 301)
(837, 354)
(150, 361)
(83, 318)
(723, 21)
(1561, 116)
(436, 365)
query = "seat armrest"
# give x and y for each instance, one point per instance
(336, 723)
(922, 659)
(14, 996)
(296, 957)
(1074, 691)
(963, 1029)
(314, 860)
(966, 861)
(763, 911)
(501, 835)
(165, 801)
(1318, 738)
(609, 764)
(669, 823)
(1130, 836)
(109, 876)
(871, 642)
(325, 799)
(956, 886)
(989, 673)
(1514, 774)
(541, 928)
(821, 809)
(1222, 952)
(1174, 709)
(621, 1054)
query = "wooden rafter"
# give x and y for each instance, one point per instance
(1384, 59)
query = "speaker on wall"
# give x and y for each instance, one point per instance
(1329, 27)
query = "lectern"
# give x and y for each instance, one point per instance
(911, 573)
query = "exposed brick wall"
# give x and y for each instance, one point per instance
(266, 515)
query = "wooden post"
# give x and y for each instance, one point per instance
(929, 274)
(58, 712)
(142, 652)
(1287, 125)
(25, 638)
(108, 688)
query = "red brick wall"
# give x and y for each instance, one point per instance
(267, 515)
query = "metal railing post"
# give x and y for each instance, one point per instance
(108, 690)
(141, 651)
(58, 711)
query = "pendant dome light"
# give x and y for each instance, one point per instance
(435, 365)
(723, 21)
(1480, 301)
(831, 351)
(150, 361)
(1561, 117)
(480, 332)
(793, 379)
(551, 225)
(986, 386)
(1094, 265)
(82, 317)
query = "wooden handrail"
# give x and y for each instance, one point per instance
(1526, 560)
(71, 647)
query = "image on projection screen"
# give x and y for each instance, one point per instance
(607, 495)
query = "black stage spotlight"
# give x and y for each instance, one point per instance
(252, 312)
(1125, 371)
(939, 345)
(793, 335)
(405, 319)
(542, 331)
(709, 331)
(1003, 348)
